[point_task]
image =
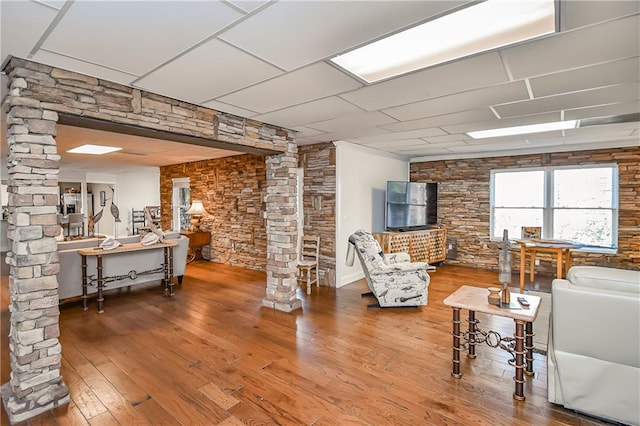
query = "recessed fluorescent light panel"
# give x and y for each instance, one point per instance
(478, 28)
(93, 149)
(523, 130)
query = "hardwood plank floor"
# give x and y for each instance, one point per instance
(214, 355)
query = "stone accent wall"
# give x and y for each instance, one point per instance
(464, 205)
(35, 351)
(319, 164)
(232, 190)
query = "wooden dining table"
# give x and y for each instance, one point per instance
(531, 246)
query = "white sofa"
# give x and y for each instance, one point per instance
(593, 361)
(70, 275)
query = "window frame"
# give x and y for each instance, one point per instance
(177, 209)
(549, 207)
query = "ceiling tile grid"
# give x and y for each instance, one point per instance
(136, 37)
(269, 60)
(203, 65)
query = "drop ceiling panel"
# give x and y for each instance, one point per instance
(516, 139)
(203, 65)
(600, 43)
(248, 5)
(28, 19)
(586, 12)
(605, 128)
(349, 134)
(603, 111)
(623, 71)
(303, 132)
(487, 147)
(430, 150)
(56, 4)
(231, 109)
(146, 35)
(410, 150)
(461, 101)
(354, 121)
(409, 134)
(306, 84)
(497, 123)
(434, 82)
(397, 145)
(98, 71)
(442, 120)
(320, 110)
(291, 34)
(447, 139)
(601, 96)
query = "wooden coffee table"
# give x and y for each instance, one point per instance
(520, 346)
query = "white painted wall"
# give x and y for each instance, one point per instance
(132, 190)
(361, 180)
(136, 191)
(106, 224)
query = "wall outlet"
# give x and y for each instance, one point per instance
(232, 246)
(537, 262)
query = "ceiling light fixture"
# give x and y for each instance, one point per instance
(477, 28)
(93, 149)
(522, 130)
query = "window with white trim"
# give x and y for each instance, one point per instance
(180, 203)
(577, 203)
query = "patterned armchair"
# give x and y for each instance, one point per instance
(392, 278)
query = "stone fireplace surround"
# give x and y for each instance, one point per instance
(39, 97)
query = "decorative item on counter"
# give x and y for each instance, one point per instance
(93, 221)
(115, 211)
(504, 267)
(494, 296)
(149, 239)
(110, 244)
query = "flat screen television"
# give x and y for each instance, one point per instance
(411, 205)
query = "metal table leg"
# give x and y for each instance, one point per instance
(473, 329)
(519, 352)
(456, 344)
(529, 346)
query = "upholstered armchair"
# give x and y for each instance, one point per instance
(392, 278)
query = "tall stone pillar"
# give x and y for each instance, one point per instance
(35, 352)
(282, 231)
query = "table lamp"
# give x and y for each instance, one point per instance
(196, 211)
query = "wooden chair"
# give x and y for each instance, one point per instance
(308, 261)
(139, 222)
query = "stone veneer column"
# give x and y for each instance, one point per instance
(35, 352)
(282, 231)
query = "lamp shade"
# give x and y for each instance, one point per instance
(196, 209)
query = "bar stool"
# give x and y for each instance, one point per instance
(76, 222)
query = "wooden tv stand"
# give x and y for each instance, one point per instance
(423, 246)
